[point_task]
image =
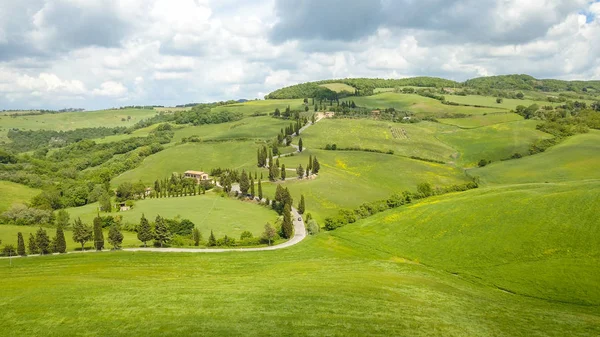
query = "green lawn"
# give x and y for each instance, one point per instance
(577, 158)
(193, 156)
(490, 101)
(494, 142)
(418, 140)
(249, 128)
(262, 106)
(225, 216)
(339, 87)
(12, 193)
(481, 120)
(348, 179)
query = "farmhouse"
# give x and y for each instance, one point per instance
(198, 175)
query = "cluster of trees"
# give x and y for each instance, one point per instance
(38, 243)
(526, 82)
(424, 190)
(23, 140)
(334, 147)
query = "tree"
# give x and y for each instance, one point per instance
(82, 233)
(316, 167)
(300, 172)
(62, 218)
(283, 172)
(252, 186)
(42, 241)
(32, 246)
(520, 95)
(104, 202)
(277, 162)
(212, 241)
(244, 183)
(269, 233)
(115, 237)
(197, 236)
(300, 144)
(98, 234)
(425, 189)
(20, 244)
(312, 120)
(301, 206)
(260, 193)
(287, 229)
(144, 231)
(162, 234)
(310, 164)
(60, 242)
(499, 100)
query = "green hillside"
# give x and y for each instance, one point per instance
(11, 193)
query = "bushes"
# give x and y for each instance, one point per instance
(22, 215)
(333, 147)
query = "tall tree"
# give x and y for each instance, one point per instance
(270, 159)
(20, 244)
(287, 228)
(315, 167)
(269, 233)
(82, 233)
(310, 164)
(252, 186)
(115, 237)
(98, 234)
(300, 171)
(300, 144)
(144, 232)
(283, 172)
(60, 242)
(62, 218)
(105, 204)
(244, 182)
(301, 206)
(197, 236)
(42, 241)
(313, 116)
(162, 234)
(277, 162)
(260, 192)
(212, 241)
(32, 245)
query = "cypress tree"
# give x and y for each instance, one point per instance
(260, 193)
(115, 237)
(300, 144)
(283, 172)
(316, 167)
(98, 234)
(287, 229)
(300, 172)
(42, 241)
(196, 236)
(244, 183)
(301, 206)
(270, 159)
(309, 167)
(252, 186)
(61, 243)
(277, 163)
(144, 233)
(20, 244)
(212, 241)
(32, 246)
(162, 234)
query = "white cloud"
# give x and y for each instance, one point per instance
(110, 89)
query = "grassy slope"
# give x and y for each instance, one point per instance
(339, 87)
(208, 212)
(348, 179)
(537, 240)
(576, 158)
(253, 128)
(489, 101)
(378, 135)
(493, 142)
(11, 193)
(262, 106)
(481, 120)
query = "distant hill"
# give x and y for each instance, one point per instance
(366, 86)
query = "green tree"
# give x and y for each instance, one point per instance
(98, 234)
(32, 246)
(287, 228)
(244, 182)
(300, 144)
(283, 172)
(260, 192)
(82, 233)
(301, 206)
(252, 186)
(300, 171)
(162, 234)
(62, 218)
(115, 237)
(316, 166)
(212, 241)
(42, 241)
(499, 100)
(60, 242)
(197, 236)
(144, 230)
(104, 202)
(310, 164)
(269, 233)
(312, 120)
(20, 244)
(425, 189)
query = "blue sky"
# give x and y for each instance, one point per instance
(103, 53)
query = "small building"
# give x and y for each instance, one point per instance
(198, 175)
(407, 118)
(329, 114)
(123, 207)
(148, 191)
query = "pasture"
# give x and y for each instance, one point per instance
(476, 121)
(262, 106)
(488, 101)
(576, 158)
(339, 87)
(255, 128)
(13, 193)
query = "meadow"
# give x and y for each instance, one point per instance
(11, 193)
(488, 101)
(255, 128)
(262, 106)
(482, 120)
(339, 87)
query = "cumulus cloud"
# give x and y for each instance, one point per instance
(103, 53)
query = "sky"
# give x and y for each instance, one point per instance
(96, 54)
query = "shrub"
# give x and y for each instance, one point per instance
(246, 235)
(312, 227)
(483, 162)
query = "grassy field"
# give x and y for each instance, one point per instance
(422, 106)
(262, 106)
(359, 280)
(494, 142)
(488, 101)
(251, 128)
(417, 140)
(11, 193)
(577, 158)
(348, 179)
(193, 156)
(481, 120)
(339, 87)
(225, 216)
(540, 240)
